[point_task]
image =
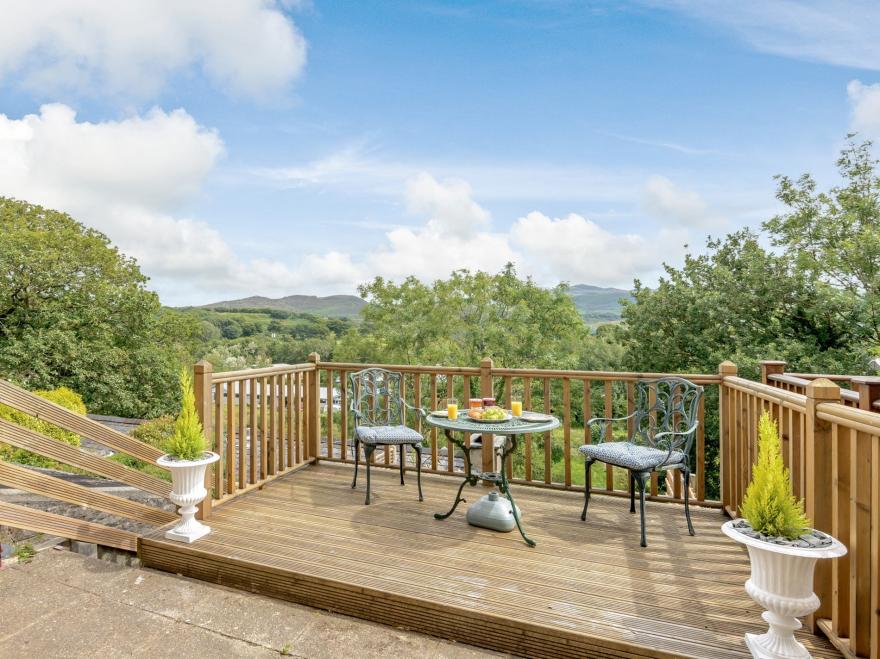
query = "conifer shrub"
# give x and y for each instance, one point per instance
(187, 442)
(769, 505)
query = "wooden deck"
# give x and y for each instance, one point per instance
(586, 590)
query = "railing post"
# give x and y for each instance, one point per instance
(486, 390)
(725, 410)
(314, 415)
(771, 367)
(819, 484)
(869, 391)
(203, 373)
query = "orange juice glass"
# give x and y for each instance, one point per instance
(452, 409)
(516, 407)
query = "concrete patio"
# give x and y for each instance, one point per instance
(90, 607)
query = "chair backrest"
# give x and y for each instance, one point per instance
(375, 397)
(667, 405)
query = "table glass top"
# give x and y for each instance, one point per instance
(514, 426)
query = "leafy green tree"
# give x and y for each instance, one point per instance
(741, 302)
(75, 312)
(464, 318)
(835, 236)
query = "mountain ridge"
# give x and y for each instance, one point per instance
(596, 304)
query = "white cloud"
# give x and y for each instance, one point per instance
(664, 200)
(359, 168)
(127, 179)
(243, 46)
(839, 32)
(578, 250)
(448, 205)
(865, 102)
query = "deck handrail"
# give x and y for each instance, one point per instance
(832, 450)
(542, 461)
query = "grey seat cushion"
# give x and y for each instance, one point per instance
(388, 435)
(631, 456)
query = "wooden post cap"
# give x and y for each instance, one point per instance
(823, 389)
(204, 366)
(314, 357)
(727, 368)
(486, 362)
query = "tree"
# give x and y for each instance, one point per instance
(835, 236)
(75, 312)
(464, 318)
(741, 302)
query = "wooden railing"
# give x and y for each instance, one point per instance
(29, 480)
(773, 373)
(258, 421)
(832, 450)
(546, 460)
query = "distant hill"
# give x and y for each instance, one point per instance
(597, 304)
(332, 306)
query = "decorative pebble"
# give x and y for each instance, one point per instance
(813, 539)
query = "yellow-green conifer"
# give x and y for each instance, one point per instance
(188, 440)
(769, 505)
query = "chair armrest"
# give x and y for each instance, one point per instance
(665, 441)
(603, 422)
(421, 410)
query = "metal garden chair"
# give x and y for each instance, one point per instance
(378, 408)
(664, 424)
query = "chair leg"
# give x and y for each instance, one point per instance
(642, 481)
(588, 485)
(402, 449)
(687, 508)
(418, 450)
(357, 455)
(632, 493)
(368, 452)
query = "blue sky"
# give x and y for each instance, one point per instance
(277, 148)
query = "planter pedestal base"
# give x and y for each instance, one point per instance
(779, 641)
(189, 536)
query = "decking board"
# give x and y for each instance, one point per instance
(587, 589)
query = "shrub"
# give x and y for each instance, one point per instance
(769, 505)
(156, 433)
(187, 442)
(62, 396)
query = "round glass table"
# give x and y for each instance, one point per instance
(510, 430)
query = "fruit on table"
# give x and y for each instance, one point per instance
(489, 414)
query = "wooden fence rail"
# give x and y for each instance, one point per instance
(832, 450)
(22, 478)
(545, 460)
(258, 421)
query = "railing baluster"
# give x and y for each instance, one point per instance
(434, 430)
(264, 466)
(329, 397)
(566, 428)
(527, 405)
(230, 436)
(218, 440)
(548, 438)
(252, 430)
(609, 430)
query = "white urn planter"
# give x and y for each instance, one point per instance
(782, 583)
(188, 491)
